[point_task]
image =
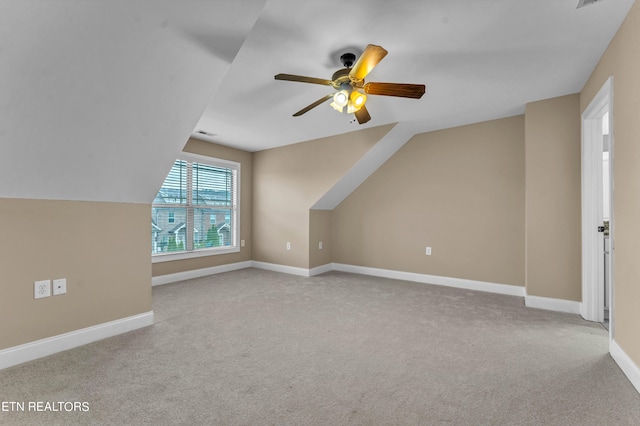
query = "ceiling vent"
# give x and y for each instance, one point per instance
(583, 3)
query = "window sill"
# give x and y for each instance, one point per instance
(170, 257)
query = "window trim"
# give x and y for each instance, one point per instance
(210, 161)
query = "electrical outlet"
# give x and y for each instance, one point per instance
(41, 289)
(59, 286)
(241, 243)
(428, 251)
(288, 245)
(320, 245)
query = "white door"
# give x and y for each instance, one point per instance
(606, 212)
(597, 206)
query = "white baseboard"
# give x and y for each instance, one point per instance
(197, 273)
(550, 304)
(628, 367)
(320, 269)
(292, 270)
(510, 290)
(51, 345)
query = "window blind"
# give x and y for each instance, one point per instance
(174, 187)
(212, 185)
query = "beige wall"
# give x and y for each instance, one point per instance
(288, 180)
(102, 250)
(460, 191)
(319, 231)
(553, 209)
(196, 146)
(622, 61)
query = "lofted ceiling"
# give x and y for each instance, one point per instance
(480, 60)
(98, 97)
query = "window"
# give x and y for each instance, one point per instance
(195, 213)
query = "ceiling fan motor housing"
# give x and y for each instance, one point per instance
(339, 77)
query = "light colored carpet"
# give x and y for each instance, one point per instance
(254, 347)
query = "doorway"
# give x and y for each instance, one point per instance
(597, 209)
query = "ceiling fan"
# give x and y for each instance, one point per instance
(352, 90)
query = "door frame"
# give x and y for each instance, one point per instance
(592, 307)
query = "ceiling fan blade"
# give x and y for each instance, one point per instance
(402, 90)
(303, 79)
(362, 115)
(313, 105)
(366, 62)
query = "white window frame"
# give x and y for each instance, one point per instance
(235, 247)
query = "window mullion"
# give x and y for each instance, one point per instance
(189, 221)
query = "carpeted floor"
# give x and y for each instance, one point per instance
(254, 347)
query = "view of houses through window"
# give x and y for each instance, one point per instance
(196, 208)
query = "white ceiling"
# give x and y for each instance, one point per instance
(480, 60)
(98, 97)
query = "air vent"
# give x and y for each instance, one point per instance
(583, 3)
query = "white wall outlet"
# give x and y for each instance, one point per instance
(320, 245)
(41, 289)
(288, 245)
(428, 251)
(59, 286)
(241, 243)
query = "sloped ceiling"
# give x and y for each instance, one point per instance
(480, 60)
(98, 97)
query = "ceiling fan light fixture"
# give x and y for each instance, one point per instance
(340, 100)
(356, 101)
